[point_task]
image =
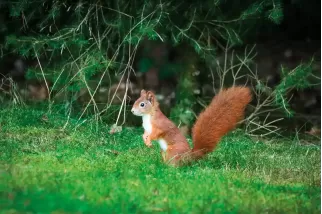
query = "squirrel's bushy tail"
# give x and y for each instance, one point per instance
(221, 116)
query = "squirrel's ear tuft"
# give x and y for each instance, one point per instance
(150, 97)
(143, 92)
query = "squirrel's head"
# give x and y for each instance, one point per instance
(144, 104)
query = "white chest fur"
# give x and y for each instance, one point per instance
(163, 144)
(147, 123)
(148, 128)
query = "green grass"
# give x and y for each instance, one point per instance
(46, 169)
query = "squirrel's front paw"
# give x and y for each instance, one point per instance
(147, 140)
(148, 144)
(145, 137)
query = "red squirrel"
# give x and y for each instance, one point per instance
(221, 116)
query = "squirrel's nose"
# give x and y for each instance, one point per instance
(132, 110)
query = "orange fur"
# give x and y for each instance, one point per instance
(220, 117)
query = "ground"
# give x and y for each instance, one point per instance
(81, 168)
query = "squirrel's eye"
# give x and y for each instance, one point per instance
(142, 104)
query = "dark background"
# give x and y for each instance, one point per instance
(301, 22)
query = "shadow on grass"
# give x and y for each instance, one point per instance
(46, 202)
(31, 200)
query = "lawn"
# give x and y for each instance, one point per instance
(47, 169)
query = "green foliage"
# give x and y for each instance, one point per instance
(276, 14)
(182, 113)
(63, 27)
(145, 64)
(273, 12)
(48, 169)
(170, 69)
(299, 78)
(76, 42)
